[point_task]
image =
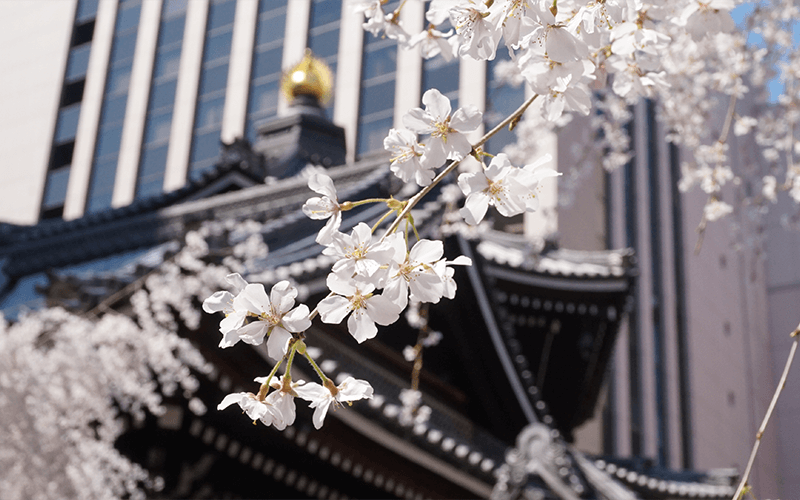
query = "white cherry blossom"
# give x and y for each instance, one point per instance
(476, 28)
(325, 207)
(433, 42)
(283, 400)
(359, 255)
(322, 397)
(447, 139)
(222, 301)
(498, 185)
(407, 160)
(263, 411)
(415, 273)
(271, 316)
(356, 299)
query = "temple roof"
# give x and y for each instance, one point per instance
(530, 331)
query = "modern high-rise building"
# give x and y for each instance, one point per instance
(106, 102)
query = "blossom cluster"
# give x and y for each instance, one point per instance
(570, 52)
(567, 52)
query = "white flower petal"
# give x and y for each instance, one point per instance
(278, 343)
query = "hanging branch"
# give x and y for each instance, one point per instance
(743, 482)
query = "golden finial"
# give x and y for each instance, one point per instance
(311, 76)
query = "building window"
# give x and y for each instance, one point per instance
(502, 99)
(55, 190)
(266, 70)
(115, 99)
(213, 82)
(153, 162)
(323, 36)
(376, 101)
(442, 75)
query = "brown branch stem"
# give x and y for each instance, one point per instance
(781, 384)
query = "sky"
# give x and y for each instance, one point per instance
(739, 14)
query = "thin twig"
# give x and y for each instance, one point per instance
(723, 136)
(781, 384)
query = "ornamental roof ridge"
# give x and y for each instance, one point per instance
(519, 252)
(665, 482)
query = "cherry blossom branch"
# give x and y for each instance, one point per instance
(264, 389)
(412, 202)
(315, 367)
(726, 126)
(781, 384)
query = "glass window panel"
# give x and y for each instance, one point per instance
(158, 128)
(163, 94)
(100, 199)
(124, 47)
(264, 98)
(108, 141)
(56, 191)
(68, 123)
(175, 7)
(87, 9)
(114, 109)
(168, 63)
(271, 29)
(119, 79)
(172, 30)
(102, 186)
(436, 75)
(218, 46)
(267, 62)
(379, 62)
(271, 5)
(154, 162)
(209, 113)
(371, 135)
(324, 44)
(150, 186)
(220, 13)
(205, 147)
(377, 98)
(128, 17)
(214, 78)
(325, 11)
(78, 61)
(104, 172)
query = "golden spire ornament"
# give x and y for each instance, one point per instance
(311, 77)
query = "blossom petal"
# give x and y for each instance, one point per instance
(220, 301)
(297, 320)
(320, 412)
(361, 326)
(436, 104)
(466, 119)
(322, 184)
(354, 389)
(417, 120)
(282, 296)
(332, 310)
(278, 343)
(253, 333)
(236, 280)
(230, 399)
(426, 251)
(475, 208)
(381, 310)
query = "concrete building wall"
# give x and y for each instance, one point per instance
(35, 35)
(783, 296)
